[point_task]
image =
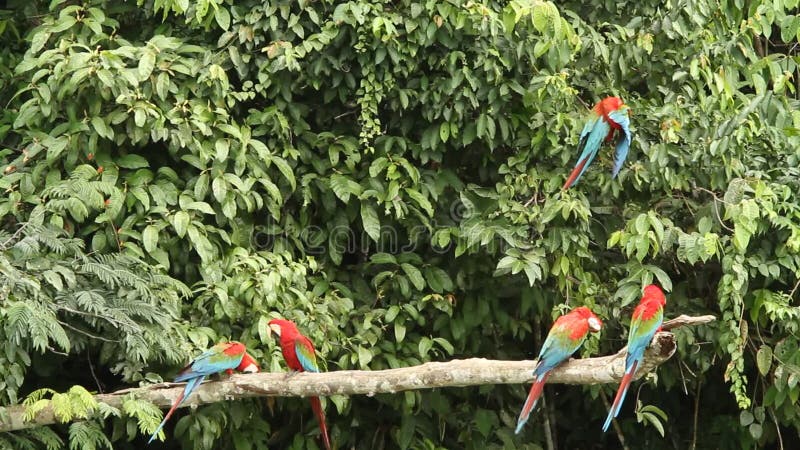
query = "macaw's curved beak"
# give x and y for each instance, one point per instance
(275, 328)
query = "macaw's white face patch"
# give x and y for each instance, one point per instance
(594, 324)
(252, 368)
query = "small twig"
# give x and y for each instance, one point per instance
(115, 322)
(777, 428)
(716, 208)
(548, 433)
(534, 199)
(86, 333)
(52, 349)
(551, 411)
(683, 319)
(348, 113)
(794, 289)
(91, 370)
(116, 233)
(696, 414)
(683, 378)
(19, 231)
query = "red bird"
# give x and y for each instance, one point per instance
(298, 351)
(645, 323)
(609, 116)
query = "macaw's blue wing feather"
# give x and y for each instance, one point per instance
(305, 354)
(592, 138)
(639, 337)
(211, 361)
(557, 347)
(621, 118)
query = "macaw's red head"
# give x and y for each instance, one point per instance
(595, 324)
(609, 104)
(248, 364)
(233, 348)
(282, 327)
(653, 293)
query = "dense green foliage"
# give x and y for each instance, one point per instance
(388, 175)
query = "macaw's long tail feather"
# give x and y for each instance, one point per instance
(316, 406)
(530, 403)
(621, 391)
(576, 173)
(191, 385)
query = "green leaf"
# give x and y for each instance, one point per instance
(371, 222)
(131, 161)
(223, 18)
(343, 187)
(364, 357)
(425, 345)
(150, 238)
(180, 221)
(414, 275)
(102, 129)
(399, 332)
(764, 360)
(383, 258)
(420, 200)
(146, 64)
(756, 430)
(285, 170)
(444, 131)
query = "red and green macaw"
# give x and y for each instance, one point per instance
(223, 357)
(565, 337)
(645, 322)
(298, 351)
(609, 116)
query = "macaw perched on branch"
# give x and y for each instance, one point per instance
(609, 116)
(565, 337)
(298, 351)
(645, 322)
(223, 357)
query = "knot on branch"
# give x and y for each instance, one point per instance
(664, 345)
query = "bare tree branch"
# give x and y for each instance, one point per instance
(464, 372)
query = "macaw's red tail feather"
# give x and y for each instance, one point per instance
(576, 172)
(316, 406)
(621, 391)
(178, 401)
(530, 403)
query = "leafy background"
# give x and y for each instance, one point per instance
(388, 174)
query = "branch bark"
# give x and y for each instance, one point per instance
(465, 372)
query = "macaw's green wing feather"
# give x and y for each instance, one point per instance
(557, 347)
(211, 361)
(641, 333)
(621, 118)
(305, 354)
